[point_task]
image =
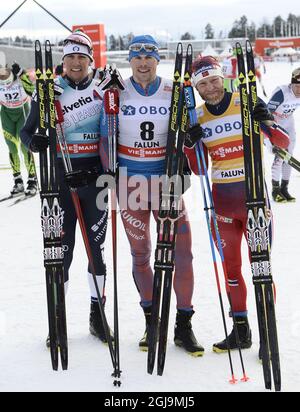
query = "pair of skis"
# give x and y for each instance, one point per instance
(18, 198)
(11, 197)
(22, 199)
(51, 212)
(169, 214)
(52, 219)
(51, 124)
(211, 217)
(258, 220)
(111, 110)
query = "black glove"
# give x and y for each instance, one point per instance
(39, 143)
(262, 114)
(59, 70)
(58, 90)
(193, 136)
(98, 74)
(112, 77)
(81, 178)
(16, 70)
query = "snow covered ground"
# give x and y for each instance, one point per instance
(24, 360)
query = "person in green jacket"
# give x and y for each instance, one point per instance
(15, 91)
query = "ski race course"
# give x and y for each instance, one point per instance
(25, 361)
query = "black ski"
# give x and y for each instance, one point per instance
(113, 343)
(169, 214)
(210, 213)
(22, 199)
(258, 220)
(287, 157)
(51, 214)
(10, 197)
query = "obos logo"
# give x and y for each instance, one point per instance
(128, 110)
(207, 132)
(223, 128)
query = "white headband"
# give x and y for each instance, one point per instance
(72, 48)
(205, 72)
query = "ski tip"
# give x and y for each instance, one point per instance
(179, 48)
(38, 45)
(189, 51)
(239, 48)
(47, 45)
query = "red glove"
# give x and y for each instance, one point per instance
(192, 159)
(279, 136)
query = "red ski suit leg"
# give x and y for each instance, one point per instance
(137, 228)
(232, 220)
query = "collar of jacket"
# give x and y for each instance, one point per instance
(79, 85)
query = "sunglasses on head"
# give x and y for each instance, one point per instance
(137, 47)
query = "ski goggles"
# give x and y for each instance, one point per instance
(147, 47)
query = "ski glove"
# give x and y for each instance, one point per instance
(81, 178)
(262, 114)
(59, 70)
(58, 91)
(193, 136)
(16, 70)
(39, 142)
(112, 78)
(279, 136)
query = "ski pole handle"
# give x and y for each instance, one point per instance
(111, 101)
(59, 112)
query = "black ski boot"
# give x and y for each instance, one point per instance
(31, 188)
(144, 342)
(96, 324)
(277, 195)
(18, 187)
(285, 192)
(244, 333)
(184, 336)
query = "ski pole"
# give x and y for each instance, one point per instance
(111, 106)
(211, 207)
(25, 119)
(75, 198)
